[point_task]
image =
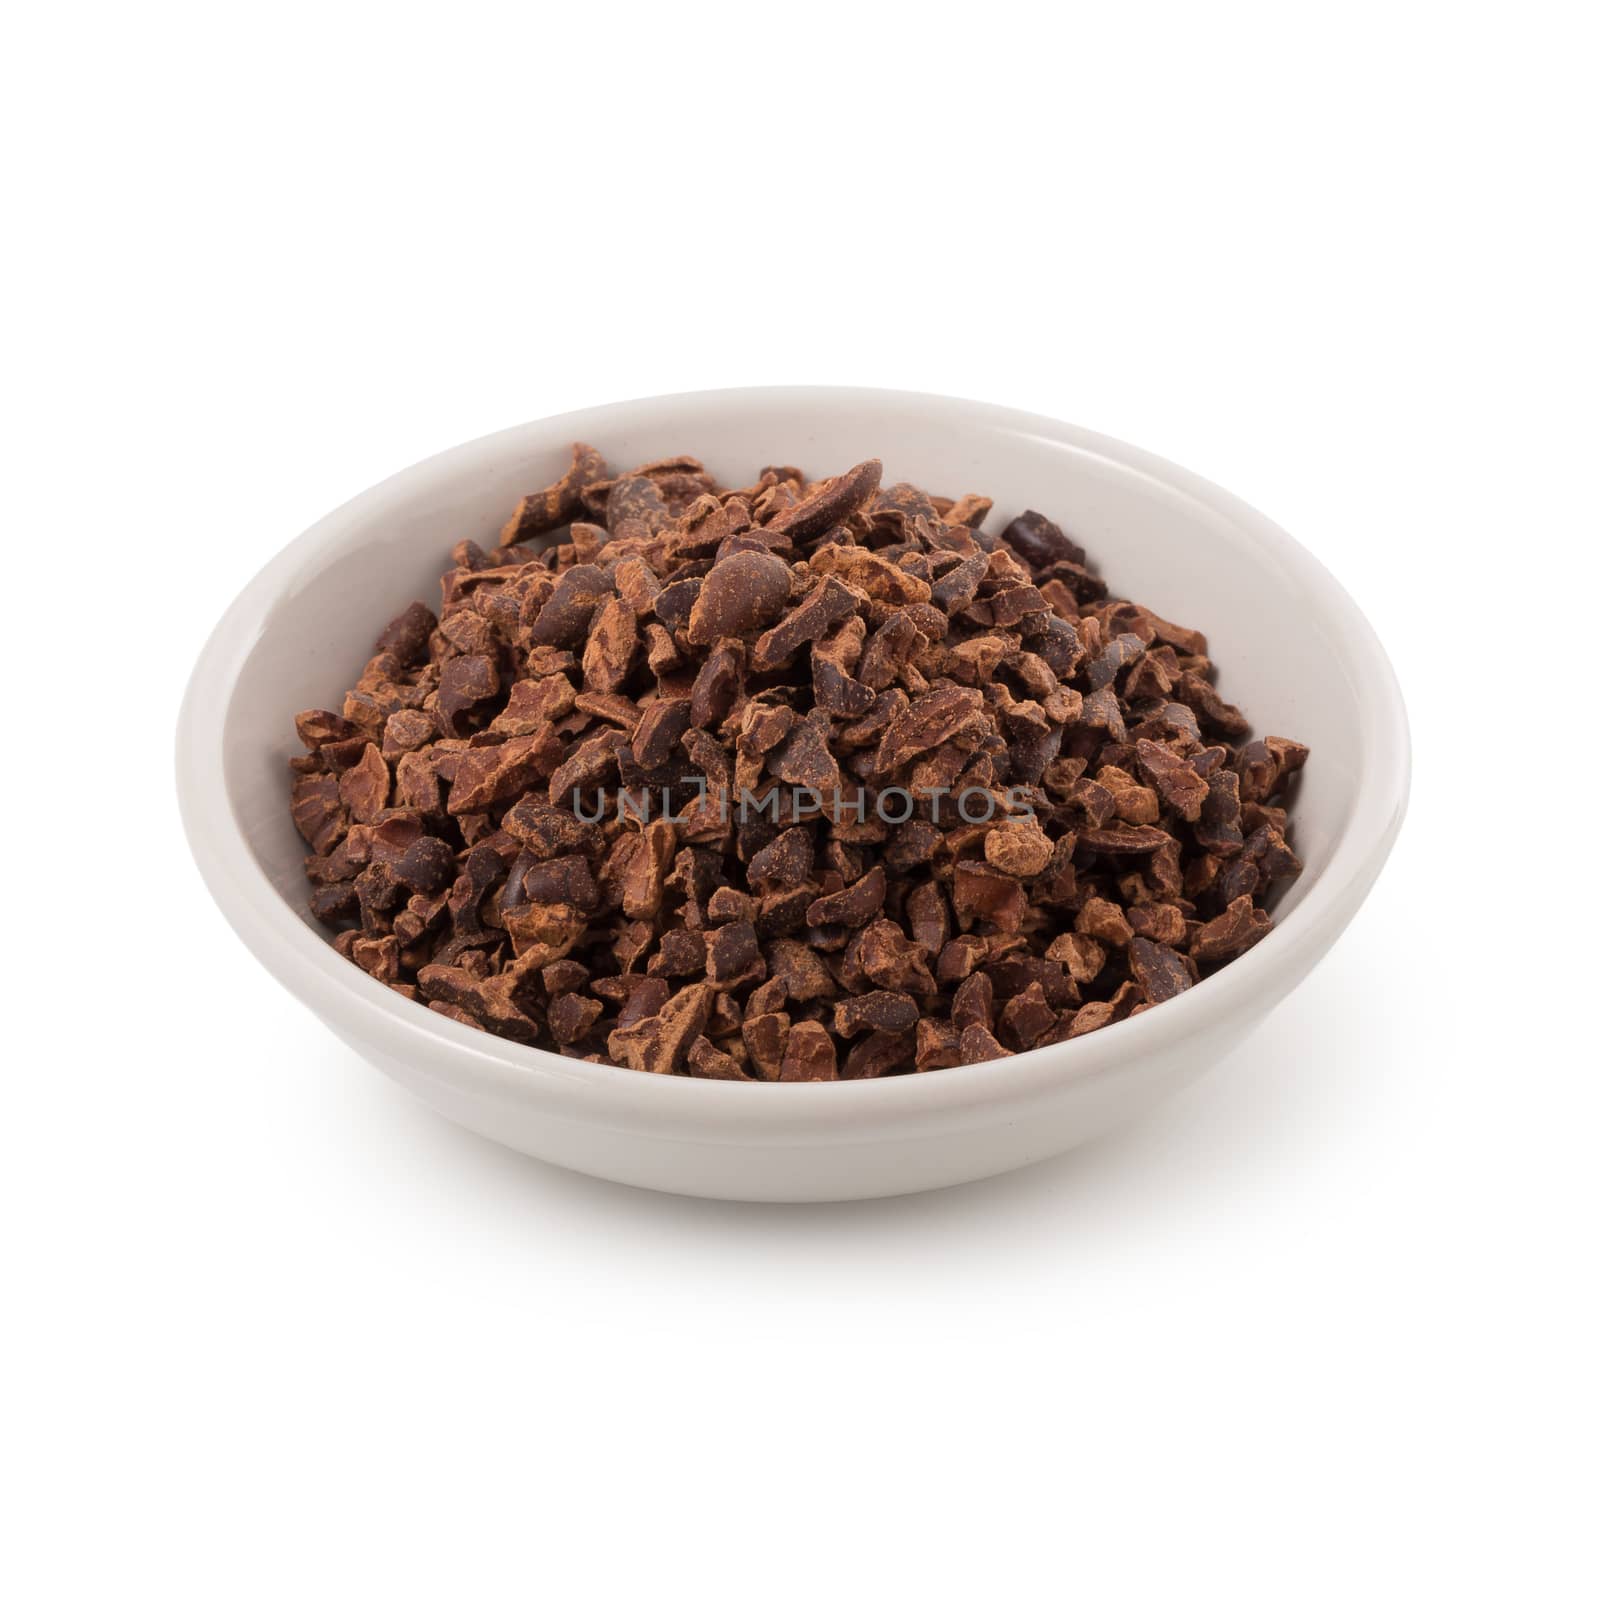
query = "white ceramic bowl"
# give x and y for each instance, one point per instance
(1295, 653)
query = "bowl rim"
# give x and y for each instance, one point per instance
(670, 1105)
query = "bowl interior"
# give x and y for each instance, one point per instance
(1195, 557)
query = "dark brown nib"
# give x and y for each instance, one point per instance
(793, 782)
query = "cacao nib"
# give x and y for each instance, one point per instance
(798, 782)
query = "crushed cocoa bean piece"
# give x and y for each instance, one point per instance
(565, 617)
(1159, 971)
(1082, 955)
(1232, 933)
(732, 955)
(682, 954)
(636, 508)
(765, 1039)
(1159, 920)
(850, 907)
(927, 722)
(973, 1001)
(883, 953)
(1123, 841)
(938, 1045)
(954, 591)
(878, 1009)
(742, 595)
(818, 613)
(1020, 849)
(880, 1055)
(829, 503)
(978, 1044)
(563, 977)
(496, 774)
(426, 865)
(706, 1061)
(983, 895)
(1041, 543)
(785, 863)
(1175, 778)
(659, 732)
(959, 959)
(1027, 1017)
(571, 1016)
(809, 1055)
(805, 761)
(406, 638)
(613, 643)
(1103, 920)
(549, 508)
(805, 975)
(661, 1042)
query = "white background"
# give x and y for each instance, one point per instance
(1324, 1326)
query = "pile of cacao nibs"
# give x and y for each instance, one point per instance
(796, 781)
